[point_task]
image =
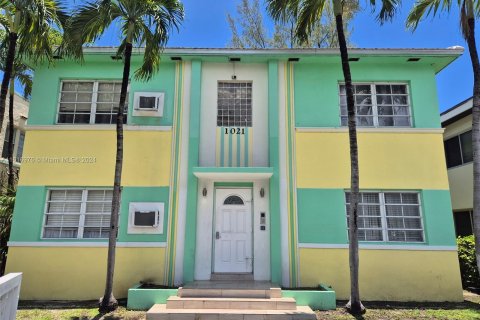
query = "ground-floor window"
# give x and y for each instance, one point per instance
(463, 223)
(388, 216)
(77, 213)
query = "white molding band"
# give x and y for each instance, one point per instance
(95, 127)
(373, 130)
(81, 244)
(379, 247)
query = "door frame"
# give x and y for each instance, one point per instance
(214, 224)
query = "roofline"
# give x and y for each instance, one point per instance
(452, 51)
(457, 112)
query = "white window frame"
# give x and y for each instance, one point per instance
(159, 99)
(81, 221)
(373, 93)
(383, 215)
(93, 104)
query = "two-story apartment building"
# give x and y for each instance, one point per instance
(237, 161)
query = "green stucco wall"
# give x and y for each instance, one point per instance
(322, 217)
(317, 94)
(46, 88)
(30, 206)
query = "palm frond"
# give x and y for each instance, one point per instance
(26, 80)
(309, 14)
(388, 9)
(424, 8)
(283, 10)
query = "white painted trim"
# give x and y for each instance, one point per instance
(183, 175)
(95, 127)
(86, 244)
(236, 176)
(374, 130)
(451, 51)
(467, 105)
(282, 148)
(379, 247)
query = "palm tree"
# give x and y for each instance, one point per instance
(307, 14)
(142, 22)
(469, 9)
(27, 22)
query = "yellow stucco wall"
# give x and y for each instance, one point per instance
(397, 160)
(147, 156)
(72, 273)
(389, 275)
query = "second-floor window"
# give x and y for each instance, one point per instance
(378, 105)
(89, 102)
(458, 150)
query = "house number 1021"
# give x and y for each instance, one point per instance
(234, 130)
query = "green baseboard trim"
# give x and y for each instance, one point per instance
(144, 299)
(317, 300)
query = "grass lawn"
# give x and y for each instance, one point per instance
(469, 309)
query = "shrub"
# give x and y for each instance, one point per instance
(468, 262)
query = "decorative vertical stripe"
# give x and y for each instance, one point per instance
(174, 174)
(232, 149)
(291, 184)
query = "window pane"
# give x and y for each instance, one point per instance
(383, 88)
(466, 141)
(21, 141)
(463, 223)
(452, 152)
(234, 104)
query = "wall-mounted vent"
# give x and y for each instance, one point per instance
(148, 104)
(353, 59)
(413, 59)
(234, 59)
(145, 219)
(176, 58)
(293, 59)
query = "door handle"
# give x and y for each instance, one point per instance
(217, 235)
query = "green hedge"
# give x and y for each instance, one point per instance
(468, 262)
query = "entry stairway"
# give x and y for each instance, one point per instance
(232, 300)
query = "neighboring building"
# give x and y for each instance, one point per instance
(457, 122)
(20, 114)
(237, 161)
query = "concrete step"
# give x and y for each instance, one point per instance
(160, 312)
(232, 303)
(232, 277)
(230, 293)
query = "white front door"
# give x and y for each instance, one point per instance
(233, 231)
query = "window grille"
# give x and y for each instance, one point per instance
(94, 102)
(378, 105)
(388, 216)
(77, 213)
(234, 104)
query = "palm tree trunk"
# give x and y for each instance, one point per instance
(108, 302)
(11, 174)
(472, 47)
(354, 305)
(12, 43)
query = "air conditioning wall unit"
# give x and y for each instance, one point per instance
(145, 217)
(148, 104)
